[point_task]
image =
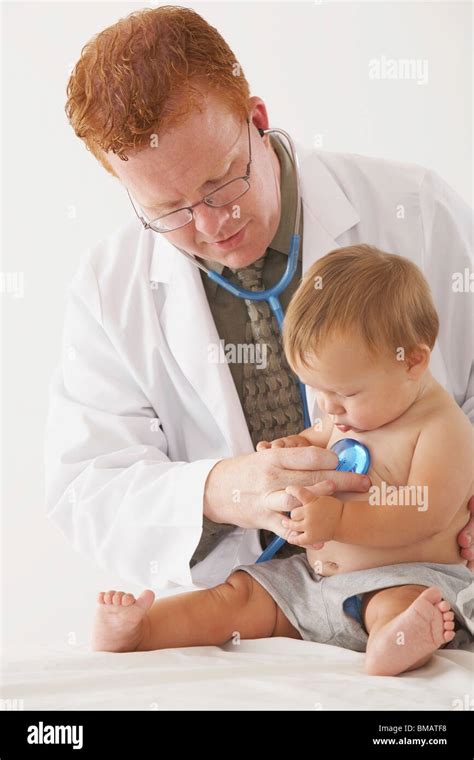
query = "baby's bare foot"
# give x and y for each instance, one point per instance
(120, 621)
(407, 641)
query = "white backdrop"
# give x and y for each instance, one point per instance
(310, 63)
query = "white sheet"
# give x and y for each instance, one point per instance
(264, 674)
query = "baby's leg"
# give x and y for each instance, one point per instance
(406, 624)
(196, 618)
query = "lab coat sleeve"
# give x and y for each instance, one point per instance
(109, 484)
(448, 252)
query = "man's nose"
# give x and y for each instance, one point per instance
(211, 221)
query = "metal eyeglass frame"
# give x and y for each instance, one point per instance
(149, 224)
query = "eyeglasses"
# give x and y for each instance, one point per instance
(219, 197)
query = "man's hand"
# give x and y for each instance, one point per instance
(465, 538)
(288, 442)
(316, 520)
(249, 490)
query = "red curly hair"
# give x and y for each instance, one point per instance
(142, 75)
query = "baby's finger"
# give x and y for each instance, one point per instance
(298, 539)
(298, 513)
(296, 525)
(300, 493)
(325, 488)
(263, 445)
(280, 501)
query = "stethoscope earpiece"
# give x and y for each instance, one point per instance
(262, 131)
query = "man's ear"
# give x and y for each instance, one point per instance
(417, 360)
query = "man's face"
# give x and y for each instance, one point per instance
(207, 150)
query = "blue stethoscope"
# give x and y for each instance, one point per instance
(353, 456)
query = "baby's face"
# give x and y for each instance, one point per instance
(357, 390)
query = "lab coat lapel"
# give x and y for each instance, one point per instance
(327, 214)
(190, 331)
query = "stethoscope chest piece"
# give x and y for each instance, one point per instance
(353, 456)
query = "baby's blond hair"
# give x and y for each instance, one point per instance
(382, 297)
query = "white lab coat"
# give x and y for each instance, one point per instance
(139, 416)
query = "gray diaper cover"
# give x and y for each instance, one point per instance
(327, 609)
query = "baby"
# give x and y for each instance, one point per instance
(382, 571)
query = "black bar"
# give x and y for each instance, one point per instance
(419, 734)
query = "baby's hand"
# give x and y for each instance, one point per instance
(288, 442)
(318, 517)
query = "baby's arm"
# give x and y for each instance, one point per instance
(441, 465)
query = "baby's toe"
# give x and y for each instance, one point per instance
(444, 606)
(108, 596)
(117, 598)
(127, 600)
(448, 635)
(100, 597)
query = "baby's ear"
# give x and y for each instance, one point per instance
(417, 360)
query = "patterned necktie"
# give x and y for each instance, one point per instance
(272, 401)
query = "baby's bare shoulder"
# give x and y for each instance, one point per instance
(448, 417)
(441, 412)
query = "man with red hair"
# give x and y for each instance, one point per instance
(150, 459)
